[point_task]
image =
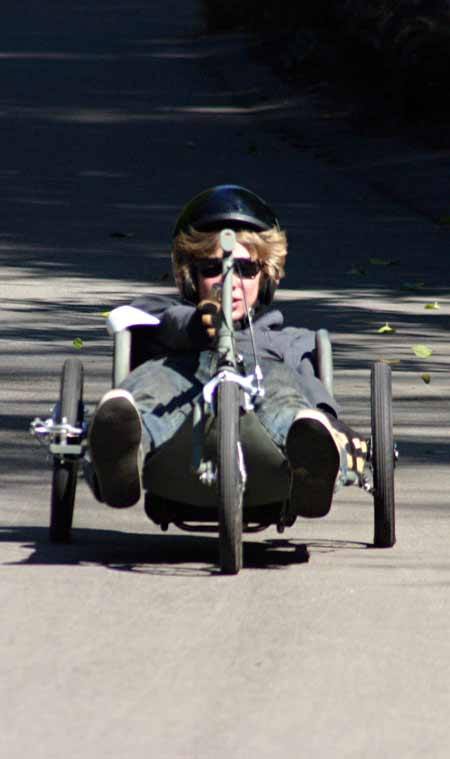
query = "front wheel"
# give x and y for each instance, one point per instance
(230, 478)
(383, 456)
(65, 468)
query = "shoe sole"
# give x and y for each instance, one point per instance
(314, 461)
(114, 440)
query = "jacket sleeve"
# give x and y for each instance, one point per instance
(180, 327)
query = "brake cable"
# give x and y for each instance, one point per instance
(258, 372)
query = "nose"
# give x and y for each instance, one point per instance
(237, 284)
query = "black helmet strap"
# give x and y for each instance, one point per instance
(267, 291)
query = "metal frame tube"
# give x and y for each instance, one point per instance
(225, 342)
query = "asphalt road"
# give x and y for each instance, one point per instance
(128, 642)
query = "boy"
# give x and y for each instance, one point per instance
(155, 399)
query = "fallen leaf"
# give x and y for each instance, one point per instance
(78, 343)
(383, 261)
(122, 235)
(357, 271)
(426, 378)
(386, 328)
(421, 351)
(413, 286)
(432, 306)
(105, 314)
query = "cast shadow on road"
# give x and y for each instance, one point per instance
(168, 555)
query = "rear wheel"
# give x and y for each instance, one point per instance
(229, 478)
(65, 468)
(382, 455)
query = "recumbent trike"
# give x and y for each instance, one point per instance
(221, 471)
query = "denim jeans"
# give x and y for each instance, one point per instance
(165, 391)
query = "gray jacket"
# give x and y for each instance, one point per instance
(180, 330)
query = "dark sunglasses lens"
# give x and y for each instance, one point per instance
(246, 268)
(210, 268)
(213, 268)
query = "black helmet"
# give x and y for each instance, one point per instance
(226, 205)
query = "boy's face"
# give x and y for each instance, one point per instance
(248, 285)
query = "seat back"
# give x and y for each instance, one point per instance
(132, 347)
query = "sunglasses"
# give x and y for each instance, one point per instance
(212, 267)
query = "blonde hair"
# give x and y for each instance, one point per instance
(268, 247)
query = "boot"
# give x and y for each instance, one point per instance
(322, 452)
(115, 435)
